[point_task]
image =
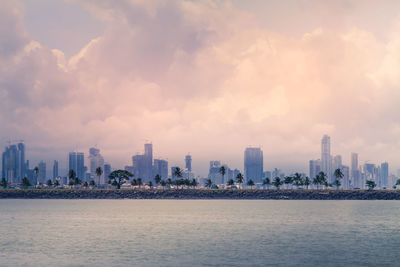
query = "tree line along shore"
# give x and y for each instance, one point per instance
(289, 194)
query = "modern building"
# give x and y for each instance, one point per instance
(385, 174)
(76, 163)
(326, 160)
(337, 162)
(41, 176)
(355, 172)
(107, 172)
(13, 163)
(214, 172)
(55, 170)
(188, 162)
(143, 164)
(96, 160)
(161, 168)
(314, 168)
(253, 164)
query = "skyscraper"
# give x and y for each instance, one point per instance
(326, 161)
(42, 172)
(161, 168)
(188, 163)
(355, 173)
(107, 172)
(253, 164)
(77, 164)
(96, 160)
(13, 163)
(55, 170)
(143, 164)
(385, 174)
(315, 168)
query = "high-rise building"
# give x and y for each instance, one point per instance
(355, 172)
(55, 170)
(188, 163)
(143, 164)
(77, 164)
(96, 160)
(214, 172)
(13, 163)
(385, 174)
(161, 168)
(253, 164)
(346, 177)
(315, 168)
(107, 172)
(337, 162)
(326, 161)
(42, 172)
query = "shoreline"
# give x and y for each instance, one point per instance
(283, 194)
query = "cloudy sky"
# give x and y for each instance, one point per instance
(205, 77)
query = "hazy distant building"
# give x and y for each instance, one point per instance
(161, 168)
(385, 174)
(337, 162)
(253, 164)
(13, 163)
(107, 172)
(55, 170)
(214, 172)
(346, 177)
(96, 160)
(76, 162)
(143, 164)
(188, 163)
(314, 168)
(42, 173)
(355, 172)
(326, 161)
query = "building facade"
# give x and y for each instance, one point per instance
(253, 164)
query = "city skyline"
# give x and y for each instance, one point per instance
(146, 167)
(226, 75)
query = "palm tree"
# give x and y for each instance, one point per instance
(169, 182)
(338, 175)
(316, 181)
(288, 180)
(240, 179)
(230, 182)
(322, 179)
(297, 179)
(307, 182)
(56, 183)
(118, 177)
(194, 183)
(250, 183)
(85, 184)
(157, 179)
(370, 184)
(267, 182)
(3, 182)
(277, 183)
(36, 171)
(139, 182)
(163, 183)
(25, 182)
(92, 183)
(177, 172)
(208, 183)
(222, 171)
(99, 172)
(134, 182)
(150, 184)
(71, 176)
(49, 183)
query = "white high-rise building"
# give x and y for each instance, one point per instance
(326, 159)
(355, 173)
(96, 160)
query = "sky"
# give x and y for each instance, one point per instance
(208, 78)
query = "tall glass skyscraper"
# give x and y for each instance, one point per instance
(326, 160)
(96, 160)
(76, 163)
(13, 163)
(188, 162)
(253, 164)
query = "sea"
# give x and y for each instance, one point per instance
(199, 233)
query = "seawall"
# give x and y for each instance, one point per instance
(199, 194)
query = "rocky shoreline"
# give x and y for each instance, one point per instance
(199, 194)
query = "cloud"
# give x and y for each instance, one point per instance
(201, 77)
